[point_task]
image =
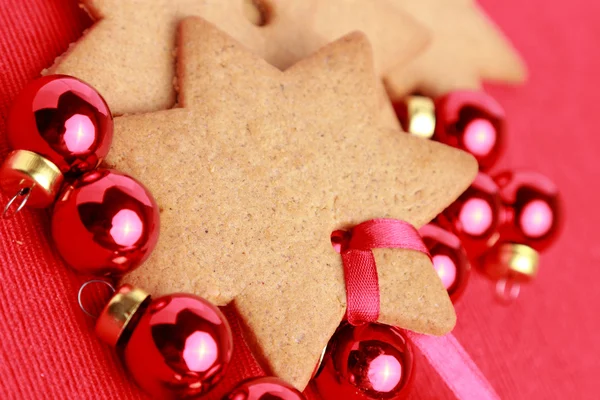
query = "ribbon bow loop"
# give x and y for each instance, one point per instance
(360, 269)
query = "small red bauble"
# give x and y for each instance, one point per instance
(532, 214)
(180, 348)
(449, 258)
(530, 222)
(371, 361)
(58, 127)
(64, 120)
(105, 223)
(475, 216)
(472, 121)
(267, 388)
(175, 346)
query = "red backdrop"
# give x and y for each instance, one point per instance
(542, 347)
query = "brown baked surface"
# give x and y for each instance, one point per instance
(255, 172)
(128, 55)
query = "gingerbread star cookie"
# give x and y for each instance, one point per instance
(466, 48)
(128, 54)
(256, 170)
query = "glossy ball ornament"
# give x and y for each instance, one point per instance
(180, 347)
(58, 126)
(176, 346)
(532, 211)
(370, 361)
(530, 222)
(475, 216)
(472, 121)
(268, 388)
(64, 120)
(449, 258)
(105, 223)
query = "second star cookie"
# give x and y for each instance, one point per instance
(466, 48)
(128, 54)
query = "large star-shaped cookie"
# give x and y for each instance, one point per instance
(257, 169)
(128, 54)
(466, 47)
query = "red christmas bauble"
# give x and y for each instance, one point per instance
(179, 348)
(475, 216)
(531, 214)
(268, 388)
(105, 223)
(371, 361)
(472, 121)
(449, 258)
(64, 120)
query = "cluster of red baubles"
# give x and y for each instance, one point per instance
(105, 223)
(502, 221)
(179, 346)
(499, 225)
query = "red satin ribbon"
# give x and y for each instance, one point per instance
(360, 270)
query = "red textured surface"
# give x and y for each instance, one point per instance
(544, 346)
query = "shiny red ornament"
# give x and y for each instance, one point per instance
(449, 258)
(370, 361)
(64, 120)
(530, 222)
(472, 121)
(179, 348)
(268, 388)
(475, 216)
(532, 213)
(105, 223)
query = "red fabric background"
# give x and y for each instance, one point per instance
(544, 346)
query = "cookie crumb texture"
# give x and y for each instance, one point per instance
(257, 169)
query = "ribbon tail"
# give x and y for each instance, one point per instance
(454, 365)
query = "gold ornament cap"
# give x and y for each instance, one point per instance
(24, 170)
(120, 313)
(421, 116)
(518, 262)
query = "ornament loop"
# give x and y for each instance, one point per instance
(81, 306)
(22, 194)
(507, 290)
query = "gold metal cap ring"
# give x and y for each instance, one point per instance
(515, 261)
(119, 312)
(25, 170)
(421, 116)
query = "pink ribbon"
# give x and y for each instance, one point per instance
(453, 364)
(444, 353)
